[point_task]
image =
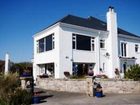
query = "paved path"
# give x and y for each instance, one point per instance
(64, 98)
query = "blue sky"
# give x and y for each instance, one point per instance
(21, 19)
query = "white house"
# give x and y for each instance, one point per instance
(75, 45)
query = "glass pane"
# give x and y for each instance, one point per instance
(83, 42)
(41, 45)
(49, 43)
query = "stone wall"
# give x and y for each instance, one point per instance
(78, 86)
(85, 86)
(120, 86)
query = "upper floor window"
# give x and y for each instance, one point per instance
(41, 45)
(81, 42)
(48, 43)
(45, 44)
(102, 43)
(136, 48)
(123, 49)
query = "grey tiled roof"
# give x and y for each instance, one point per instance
(90, 22)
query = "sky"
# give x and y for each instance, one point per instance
(21, 19)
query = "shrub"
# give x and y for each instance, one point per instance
(133, 72)
(11, 93)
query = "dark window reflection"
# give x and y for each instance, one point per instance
(49, 43)
(41, 45)
(83, 42)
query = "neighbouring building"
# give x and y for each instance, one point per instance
(75, 44)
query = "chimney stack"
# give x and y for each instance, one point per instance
(111, 8)
(112, 41)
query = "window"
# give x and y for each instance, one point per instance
(102, 43)
(46, 44)
(41, 45)
(136, 48)
(123, 49)
(81, 42)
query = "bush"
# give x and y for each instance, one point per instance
(133, 72)
(11, 93)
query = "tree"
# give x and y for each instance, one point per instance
(21, 67)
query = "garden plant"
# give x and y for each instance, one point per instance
(10, 91)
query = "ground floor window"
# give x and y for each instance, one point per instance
(82, 69)
(47, 69)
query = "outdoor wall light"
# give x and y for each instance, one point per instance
(67, 57)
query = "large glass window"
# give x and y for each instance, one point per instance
(81, 42)
(46, 44)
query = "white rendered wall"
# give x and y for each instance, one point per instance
(68, 55)
(104, 61)
(51, 56)
(63, 55)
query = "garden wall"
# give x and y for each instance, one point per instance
(85, 86)
(62, 85)
(120, 86)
